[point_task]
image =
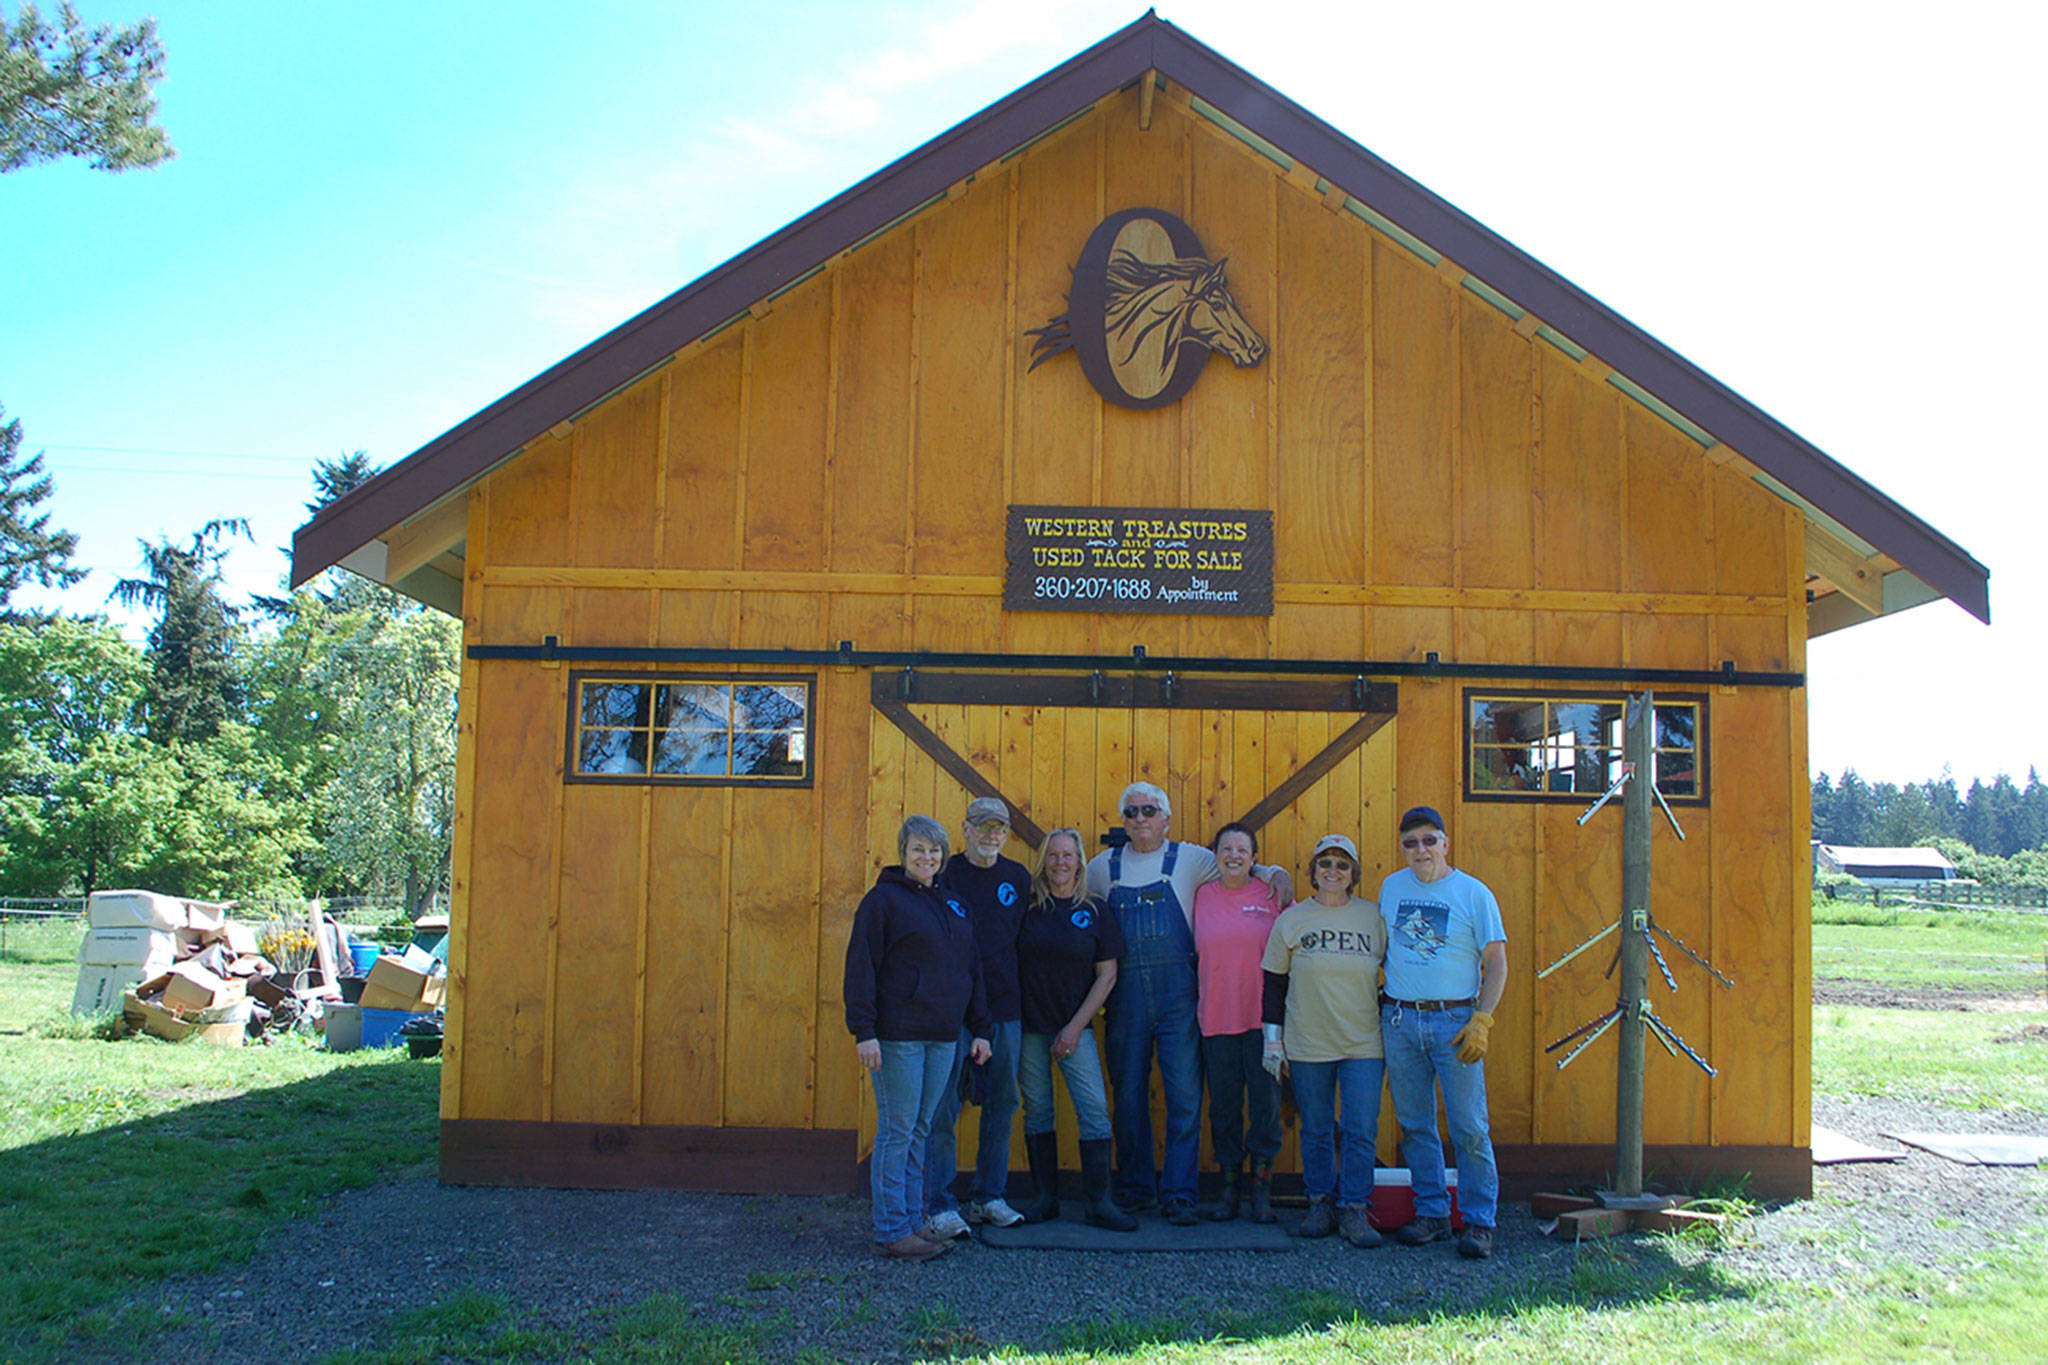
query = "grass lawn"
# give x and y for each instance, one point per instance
(123, 1162)
(1985, 951)
(127, 1162)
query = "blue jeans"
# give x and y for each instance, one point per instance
(1316, 1087)
(907, 1091)
(1154, 1006)
(992, 1153)
(1083, 1071)
(1419, 1059)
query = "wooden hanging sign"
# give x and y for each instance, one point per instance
(1167, 560)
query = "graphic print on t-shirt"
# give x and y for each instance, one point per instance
(1423, 927)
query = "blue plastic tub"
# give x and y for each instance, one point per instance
(380, 1027)
(364, 955)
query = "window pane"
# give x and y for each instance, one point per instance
(1677, 774)
(1506, 722)
(700, 706)
(763, 753)
(773, 707)
(686, 752)
(614, 703)
(1501, 770)
(1675, 727)
(611, 751)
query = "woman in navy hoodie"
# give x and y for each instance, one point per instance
(913, 977)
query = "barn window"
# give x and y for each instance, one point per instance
(1568, 746)
(725, 731)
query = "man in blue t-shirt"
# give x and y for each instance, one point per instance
(1447, 964)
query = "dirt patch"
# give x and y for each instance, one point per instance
(1882, 995)
(2032, 1033)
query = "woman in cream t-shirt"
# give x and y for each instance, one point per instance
(1321, 1014)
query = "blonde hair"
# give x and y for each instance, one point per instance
(1041, 888)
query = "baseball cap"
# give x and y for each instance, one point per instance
(1421, 815)
(988, 808)
(1338, 842)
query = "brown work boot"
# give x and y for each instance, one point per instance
(1476, 1244)
(912, 1248)
(1233, 1178)
(1424, 1230)
(1356, 1226)
(1322, 1217)
(1262, 1191)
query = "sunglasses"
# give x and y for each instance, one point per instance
(1140, 812)
(991, 826)
(1422, 841)
(1341, 864)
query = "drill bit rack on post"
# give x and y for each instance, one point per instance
(1636, 948)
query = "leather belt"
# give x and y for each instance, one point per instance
(1429, 1005)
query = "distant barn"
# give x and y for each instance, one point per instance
(1886, 866)
(1361, 508)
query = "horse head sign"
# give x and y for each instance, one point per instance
(1146, 308)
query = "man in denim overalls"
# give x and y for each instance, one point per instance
(1149, 884)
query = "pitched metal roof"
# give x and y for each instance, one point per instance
(1646, 367)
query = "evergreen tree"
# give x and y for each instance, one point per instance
(78, 91)
(1945, 805)
(1855, 812)
(1823, 807)
(338, 477)
(29, 550)
(195, 686)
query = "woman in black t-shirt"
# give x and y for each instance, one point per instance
(1067, 951)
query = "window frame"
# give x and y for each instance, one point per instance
(1701, 746)
(574, 729)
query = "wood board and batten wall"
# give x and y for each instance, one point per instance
(654, 971)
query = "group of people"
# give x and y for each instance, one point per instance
(965, 974)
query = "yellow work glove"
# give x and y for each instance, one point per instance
(1471, 1039)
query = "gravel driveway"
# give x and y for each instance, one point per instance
(801, 1266)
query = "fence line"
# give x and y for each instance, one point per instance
(1940, 896)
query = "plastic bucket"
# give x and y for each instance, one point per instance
(364, 955)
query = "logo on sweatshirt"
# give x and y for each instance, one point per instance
(1006, 894)
(958, 908)
(1082, 918)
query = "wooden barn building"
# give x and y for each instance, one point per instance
(931, 494)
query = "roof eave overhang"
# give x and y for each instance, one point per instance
(622, 355)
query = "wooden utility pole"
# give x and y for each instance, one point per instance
(1639, 750)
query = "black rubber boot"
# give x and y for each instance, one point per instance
(1043, 1151)
(1102, 1210)
(1262, 1191)
(1233, 1179)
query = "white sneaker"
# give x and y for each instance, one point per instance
(947, 1225)
(996, 1211)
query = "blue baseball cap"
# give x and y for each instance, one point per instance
(1421, 815)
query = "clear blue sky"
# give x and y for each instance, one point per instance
(384, 216)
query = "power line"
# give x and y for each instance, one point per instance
(174, 473)
(157, 450)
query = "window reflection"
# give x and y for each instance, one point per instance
(692, 729)
(1573, 745)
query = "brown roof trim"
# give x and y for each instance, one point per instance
(618, 357)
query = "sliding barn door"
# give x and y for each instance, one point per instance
(1295, 774)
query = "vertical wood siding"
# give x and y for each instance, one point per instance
(836, 467)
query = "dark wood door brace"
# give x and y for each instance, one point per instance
(890, 693)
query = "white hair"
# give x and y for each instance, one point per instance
(1149, 792)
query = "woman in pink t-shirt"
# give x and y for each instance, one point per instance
(1233, 916)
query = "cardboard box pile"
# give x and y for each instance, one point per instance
(179, 968)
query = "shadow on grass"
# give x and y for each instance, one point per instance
(88, 1218)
